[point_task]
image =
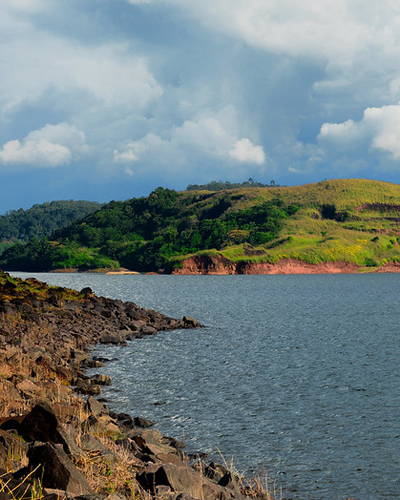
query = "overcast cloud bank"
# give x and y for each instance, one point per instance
(107, 99)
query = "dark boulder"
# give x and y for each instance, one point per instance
(182, 479)
(41, 424)
(229, 481)
(14, 488)
(49, 462)
(215, 471)
(143, 422)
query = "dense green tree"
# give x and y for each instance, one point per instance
(147, 233)
(42, 220)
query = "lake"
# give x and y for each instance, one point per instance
(294, 376)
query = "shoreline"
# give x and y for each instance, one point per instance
(49, 416)
(219, 265)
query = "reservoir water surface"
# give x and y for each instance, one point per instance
(294, 376)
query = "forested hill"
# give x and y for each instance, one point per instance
(42, 220)
(349, 220)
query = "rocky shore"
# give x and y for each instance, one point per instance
(56, 439)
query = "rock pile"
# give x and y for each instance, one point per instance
(56, 440)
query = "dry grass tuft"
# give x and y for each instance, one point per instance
(21, 490)
(257, 486)
(111, 472)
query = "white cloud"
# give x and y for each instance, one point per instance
(211, 134)
(355, 46)
(51, 146)
(342, 134)
(245, 151)
(324, 29)
(186, 86)
(39, 153)
(62, 133)
(150, 149)
(126, 156)
(379, 129)
(37, 62)
(386, 124)
(207, 134)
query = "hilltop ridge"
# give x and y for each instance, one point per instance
(355, 222)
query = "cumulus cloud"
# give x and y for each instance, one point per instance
(63, 133)
(207, 134)
(150, 148)
(211, 135)
(245, 151)
(379, 128)
(127, 155)
(386, 124)
(343, 135)
(40, 153)
(226, 89)
(51, 146)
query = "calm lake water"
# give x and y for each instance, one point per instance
(296, 376)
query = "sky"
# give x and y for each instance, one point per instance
(109, 99)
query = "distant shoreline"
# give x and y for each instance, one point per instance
(218, 265)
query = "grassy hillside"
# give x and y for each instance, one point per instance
(350, 220)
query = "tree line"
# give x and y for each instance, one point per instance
(148, 233)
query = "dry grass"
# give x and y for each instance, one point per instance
(21, 490)
(257, 486)
(110, 473)
(13, 408)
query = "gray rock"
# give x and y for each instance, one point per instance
(191, 322)
(95, 407)
(148, 330)
(111, 338)
(100, 379)
(85, 387)
(181, 479)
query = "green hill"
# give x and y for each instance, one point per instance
(41, 220)
(353, 220)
